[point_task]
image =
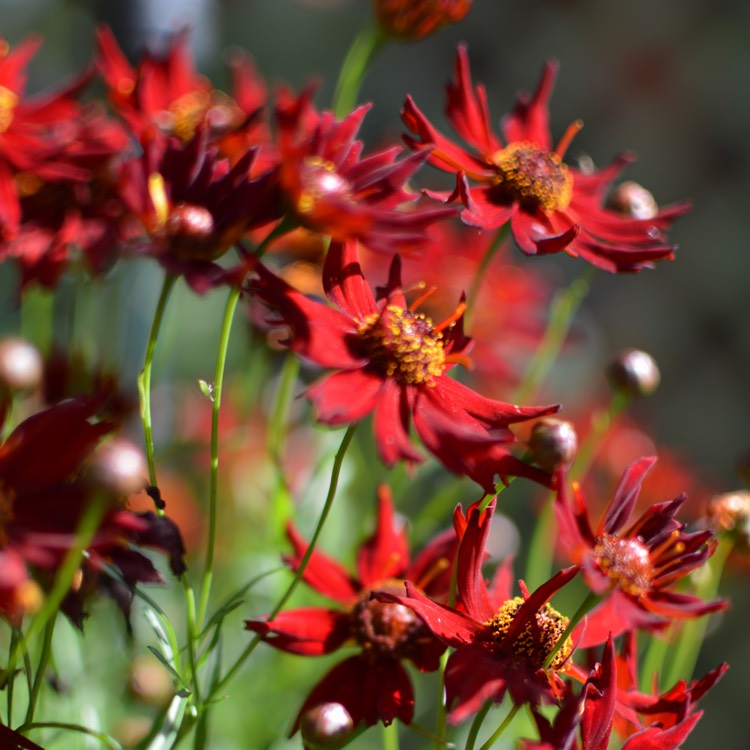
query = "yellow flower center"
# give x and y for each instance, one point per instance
(8, 102)
(534, 643)
(533, 177)
(404, 345)
(319, 180)
(626, 562)
(186, 113)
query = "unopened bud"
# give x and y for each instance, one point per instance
(120, 466)
(634, 372)
(553, 444)
(416, 19)
(634, 200)
(326, 726)
(730, 514)
(21, 366)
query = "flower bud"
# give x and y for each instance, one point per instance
(416, 19)
(120, 466)
(730, 514)
(326, 726)
(21, 366)
(553, 443)
(633, 200)
(634, 372)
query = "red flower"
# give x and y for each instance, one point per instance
(166, 91)
(635, 567)
(194, 205)
(523, 180)
(393, 362)
(44, 494)
(372, 685)
(331, 190)
(416, 19)
(501, 641)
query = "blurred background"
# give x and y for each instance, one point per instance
(667, 80)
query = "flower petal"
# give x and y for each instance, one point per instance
(310, 631)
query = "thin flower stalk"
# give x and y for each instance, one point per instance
(363, 51)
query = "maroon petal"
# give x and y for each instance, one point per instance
(391, 423)
(386, 553)
(472, 677)
(471, 554)
(322, 573)
(310, 631)
(623, 501)
(599, 705)
(656, 738)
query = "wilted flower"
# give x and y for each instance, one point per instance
(393, 362)
(522, 179)
(371, 685)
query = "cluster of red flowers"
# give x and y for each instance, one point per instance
(182, 172)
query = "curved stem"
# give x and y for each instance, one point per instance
(44, 658)
(498, 732)
(144, 379)
(105, 739)
(335, 473)
(588, 604)
(362, 52)
(218, 385)
(476, 725)
(563, 308)
(476, 282)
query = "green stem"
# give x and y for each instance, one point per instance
(105, 739)
(192, 629)
(335, 473)
(84, 534)
(15, 637)
(541, 547)
(362, 52)
(684, 654)
(498, 732)
(390, 737)
(44, 658)
(218, 386)
(476, 725)
(144, 379)
(588, 604)
(653, 662)
(564, 306)
(476, 282)
(441, 726)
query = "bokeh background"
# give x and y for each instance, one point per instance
(669, 80)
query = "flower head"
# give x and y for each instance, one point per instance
(393, 362)
(522, 179)
(372, 685)
(332, 189)
(635, 566)
(45, 492)
(501, 642)
(194, 205)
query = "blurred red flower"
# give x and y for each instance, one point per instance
(416, 19)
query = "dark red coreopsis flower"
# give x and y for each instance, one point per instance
(373, 684)
(45, 492)
(194, 205)
(165, 91)
(501, 641)
(416, 19)
(521, 178)
(330, 188)
(634, 567)
(393, 363)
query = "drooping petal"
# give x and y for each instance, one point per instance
(322, 573)
(346, 397)
(623, 501)
(310, 631)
